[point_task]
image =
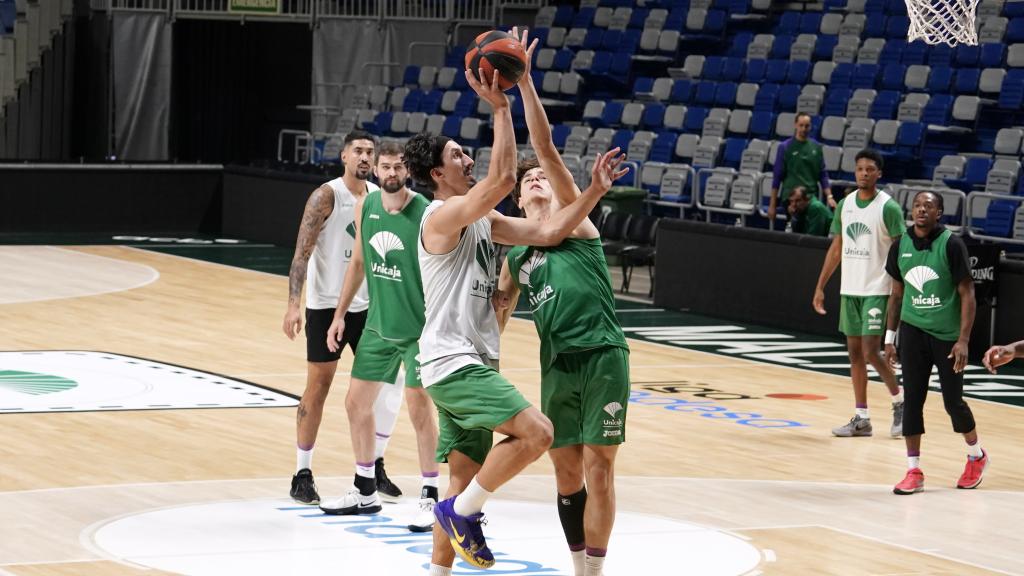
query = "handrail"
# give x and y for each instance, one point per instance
(971, 198)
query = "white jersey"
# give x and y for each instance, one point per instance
(460, 327)
(332, 253)
(866, 242)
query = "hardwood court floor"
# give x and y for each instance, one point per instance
(799, 500)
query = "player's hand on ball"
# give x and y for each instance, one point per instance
(488, 90)
(524, 39)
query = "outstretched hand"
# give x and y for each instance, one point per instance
(530, 47)
(489, 92)
(604, 172)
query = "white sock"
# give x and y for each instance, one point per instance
(974, 451)
(863, 413)
(898, 397)
(594, 566)
(913, 462)
(303, 458)
(430, 481)
(579, 558)
(472, 499)
(436, 570)
(365, 471)
(385, 414)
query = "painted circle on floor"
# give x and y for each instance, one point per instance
(277, 537)
(797, 396)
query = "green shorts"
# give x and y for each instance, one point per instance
(585, 395)
(471, 402)
(860, 315)
(377, 359)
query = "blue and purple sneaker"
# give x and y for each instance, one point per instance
(465, 534)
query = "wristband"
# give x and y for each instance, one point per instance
(890, 337)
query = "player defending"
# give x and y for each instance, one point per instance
(584, 355)
(866, 224)
(459, 344)
(387, 226)
(322, 254)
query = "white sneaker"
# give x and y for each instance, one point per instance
(353, 503)
(424, 520)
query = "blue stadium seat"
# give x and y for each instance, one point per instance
(810, 22)
(999, 217)
(762, 124)
(966, 56)
(1013, 9)
(620, 67)
(799, 72)
(938, 55)
(592, 41)
(654, 116)
(637, 18)
(663, 147)
(713, 68)
(976, 170)
(559, 134)
(896, 27)
(824, 47)
(842, 76)
(430, 103)
(910, 138)
(740, 43)
(876, 22)
(541, 35)
(1011, 97)
(564, 15)
(602, 63)
(411, 77)
(766, 98)
(630, 41)
(643, 85)
(612, 113)
(676, 18)
(874, 7)
(621, 139)
(682, 91)
(466, 104)
(452, 126)
(1014, 31)
(782, 46)
(705, 95)
(940, 79)
(916, 52)
(993, 55)
(967, 80)
(789, 23)
(715, 22)
(789, 94)
(892, 52)
(864, 76)
(836, 100)
(756, 70)
(381, 124)
(695, 116)
(885, 105)
(732, 69)
(733, 152)
(776, 71)
(893, 76)
(412, 101)
(584, 18)
(725, 94)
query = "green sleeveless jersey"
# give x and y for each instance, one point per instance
(392, 266)
(570, 293)
(931, 301)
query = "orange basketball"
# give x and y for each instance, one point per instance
(497, 50)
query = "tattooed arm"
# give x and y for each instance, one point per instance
(318, 208)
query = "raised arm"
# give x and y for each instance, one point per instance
(506, 297)
(318, 208)
(528, 232)
(354, 277)
(565, 188)
(458, 212)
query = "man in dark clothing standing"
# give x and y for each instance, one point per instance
(933, 296)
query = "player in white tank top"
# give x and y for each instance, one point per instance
(861, 239)
(460, 334)
(322, 252)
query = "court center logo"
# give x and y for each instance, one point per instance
(73, 381)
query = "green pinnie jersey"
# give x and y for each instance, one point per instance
(570, 294)
(392, 266)
(931, 301)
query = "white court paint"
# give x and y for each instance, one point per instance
(39, 273)
(276, 537)
(74, 381)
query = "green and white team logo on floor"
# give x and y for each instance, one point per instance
(74, 381)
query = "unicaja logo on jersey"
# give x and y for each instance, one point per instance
(855, 231)
(537, 260)
(612, 426)
(382, 243)
(612, 408)
(351, 229)
(875, 318)
(918, 277)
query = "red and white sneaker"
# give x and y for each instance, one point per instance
(973, 471)
(912, 482)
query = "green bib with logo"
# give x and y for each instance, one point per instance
(931, 301)
(570, 293)
(391, 260)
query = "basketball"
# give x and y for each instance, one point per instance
(497, 50)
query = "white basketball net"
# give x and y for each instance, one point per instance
(943, 21)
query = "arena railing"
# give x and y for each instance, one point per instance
(978, 204)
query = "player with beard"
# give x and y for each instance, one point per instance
(460, 340)
(387, 223)
(322, 254)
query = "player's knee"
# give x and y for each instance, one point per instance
(543, 435)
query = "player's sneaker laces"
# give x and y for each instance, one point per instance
(387, 489)
(973, 472)
(897, 420)
(353, 503)
(857, 426)
(303, 489)
(912, 482)
(465, 534)
(424, 520)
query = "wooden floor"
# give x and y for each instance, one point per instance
(805, 502)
